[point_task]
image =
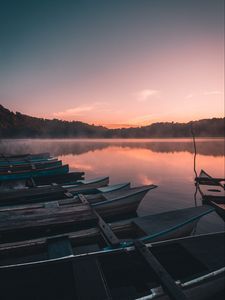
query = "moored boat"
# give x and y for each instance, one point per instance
(205, 179)
(195, 264)
(30, 166)
(29, 156)
(62, 179)
(63, 215)
(157, 227)
(18, 175)
(55, 179)
(53, 193)
(9, 162)
(212, 191)
(219, 207)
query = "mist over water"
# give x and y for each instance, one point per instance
(167, 163)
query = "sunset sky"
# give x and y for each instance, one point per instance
(115, 62)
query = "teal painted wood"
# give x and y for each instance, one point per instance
(36, 173)
(30, 166)
(4, 157)
(21, 162)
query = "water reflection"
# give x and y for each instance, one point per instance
(212, 147)
(167, 163)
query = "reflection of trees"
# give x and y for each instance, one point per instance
(76, 147)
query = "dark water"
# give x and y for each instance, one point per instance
(166, 163)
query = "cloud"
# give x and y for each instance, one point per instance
(146, 94)
(80, 110)
(207, 93)
(76, 111)
(189, 96)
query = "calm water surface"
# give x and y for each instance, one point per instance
(165, 162)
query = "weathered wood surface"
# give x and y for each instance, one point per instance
(205, 179)
(130, 197)
(106, 230)
(15, 225)
(35, 218)
(51, 192)
(214, 193)
(153, 227)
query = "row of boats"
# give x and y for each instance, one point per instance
(65, 237)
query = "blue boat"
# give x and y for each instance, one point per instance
(30, 166)
(18, 175)
(26, 156)
(19, 162)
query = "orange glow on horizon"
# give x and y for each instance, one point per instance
(195, 117)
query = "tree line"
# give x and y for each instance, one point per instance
(17, 125)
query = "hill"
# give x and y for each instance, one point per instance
(17, 125)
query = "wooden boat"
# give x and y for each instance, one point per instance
(190, 267)
(64, 215)
(18, 175)
(30, 166)
(9, 162)
(63, 179)
(212, 192)
(219, 207)
(52, 193)
(205, 179)
(27, 156)
(209, 193)
(162, 226)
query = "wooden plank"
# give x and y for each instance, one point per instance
(51, 204)
(15, 225)
(32, 192)
(83, 199)
(68, 195)
(205, 179)
(106, 230)
(167, 282)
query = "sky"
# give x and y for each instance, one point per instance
(113, 62)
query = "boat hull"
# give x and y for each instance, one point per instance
(120, 273)
(58, 217)
(127, 205)
(36, 173)
(142, 228)
(30, 166)
(30, 156)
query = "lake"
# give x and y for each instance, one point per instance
(168, 163)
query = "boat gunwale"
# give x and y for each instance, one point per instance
(108, 251)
